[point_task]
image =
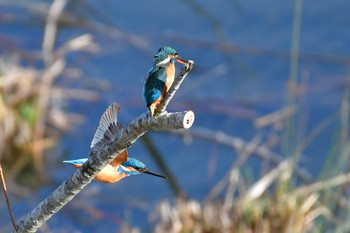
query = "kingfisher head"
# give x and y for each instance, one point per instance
(136, 167)
(166, 55)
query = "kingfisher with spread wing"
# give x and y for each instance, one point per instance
(122, 166)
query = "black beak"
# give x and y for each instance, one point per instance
(154, 174)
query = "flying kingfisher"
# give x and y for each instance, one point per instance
(160, 77)
(122, 166)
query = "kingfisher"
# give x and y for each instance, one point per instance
(115, 171)
(160, 77)
(122, 166)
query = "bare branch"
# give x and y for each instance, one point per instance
(99, 159)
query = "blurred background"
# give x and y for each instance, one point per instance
(269, 149)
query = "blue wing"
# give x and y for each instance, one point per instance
(154, 85)
(153, 96)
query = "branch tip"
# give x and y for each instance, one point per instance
(189, 65)
(188, 119)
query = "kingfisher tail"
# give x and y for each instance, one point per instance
(75, 161)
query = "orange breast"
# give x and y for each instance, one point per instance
(109, 174)
(170, 75)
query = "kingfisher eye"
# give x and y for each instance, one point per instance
(138, 169)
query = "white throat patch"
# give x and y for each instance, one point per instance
(165, 61)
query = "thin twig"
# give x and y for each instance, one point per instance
(239, 144)
(55, 64)
(51, 26)
(54, 67)
(45, 86)
(7, 198)
(274, 117)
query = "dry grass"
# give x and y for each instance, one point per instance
(276, 212)
(33, 104)
(27, 131)
(18, 117)
(268, 205)
(268, 214)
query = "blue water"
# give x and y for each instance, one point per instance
(229, 87)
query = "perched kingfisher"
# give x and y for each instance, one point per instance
(122, 166)
(160, 77)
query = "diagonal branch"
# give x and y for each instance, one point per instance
(99, 159)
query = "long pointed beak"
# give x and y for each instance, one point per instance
(180, 60)
(154, 174)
